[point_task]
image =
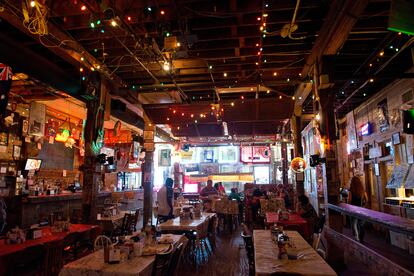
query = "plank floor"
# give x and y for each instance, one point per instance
(229, 258)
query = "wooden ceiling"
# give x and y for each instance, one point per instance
(220, 47)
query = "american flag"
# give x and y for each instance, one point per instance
(5, 72)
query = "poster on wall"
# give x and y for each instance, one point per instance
(382, 115)
(209, 168)
(227, 154)
(409, 182)
(37, 119)
(398, 176)
(164, 158)
(255, 154)
(351, 131)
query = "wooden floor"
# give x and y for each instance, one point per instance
(229, 258)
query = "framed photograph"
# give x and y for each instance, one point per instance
(16, 152)
(164, 158)
(208, 156)
(396, 139)
(376, 169)
(4, 138)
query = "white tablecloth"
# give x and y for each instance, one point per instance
(178, 224)
(94, 265)
(267, 262)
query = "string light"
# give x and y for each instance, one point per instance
(182, 114)
(168, 119)
(381, 53)
(259, 18)
(242, 97)
(371, 80)
(274, 74)
(257, 44)
(232, 103)
(81, 69)
(293, 98)
(82, 58)
(162, 12)
(225, 74)
(113, 23)
(210, 67)
(83, 8)
(280, 97)
(318, 117)
(192, 115)
(92, 25)
(364, 94)
(129, 18)
(370, 65)
(268, 91)
(32, 4)
(178, 44)
(174, 111)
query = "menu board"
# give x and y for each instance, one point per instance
(255, 154)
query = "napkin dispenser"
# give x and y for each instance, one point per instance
(112, 255)
(35, 233)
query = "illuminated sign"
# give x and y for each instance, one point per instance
(366, 129)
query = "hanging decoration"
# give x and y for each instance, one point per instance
(298, 165)
(35, 17)
(6, 75)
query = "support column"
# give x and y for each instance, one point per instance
(284, 163)
(95, 92)
(327, 127)
(148, 170)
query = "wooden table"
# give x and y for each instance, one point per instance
(294, 219)
(178, 225)
(267, 262)
(94, 264)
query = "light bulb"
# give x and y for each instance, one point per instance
(32, 4)
(166, 66)
(113, 23)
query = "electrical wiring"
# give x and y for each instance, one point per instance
(35, 17)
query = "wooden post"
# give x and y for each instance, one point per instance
(95, 92)
(284, 163)
(148, 171)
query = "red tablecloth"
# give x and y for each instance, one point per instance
(48, 236)
(294, 219)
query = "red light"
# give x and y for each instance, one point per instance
(182, 114)
(162, 12)
(83, 8)
(242, 97)
(174, 111)
(259, 18)
(129, 18)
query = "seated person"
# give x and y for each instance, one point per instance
(165, 201)
(255, 203)
(306, 211)
(219, 188)
(208, 190)
(234, 195)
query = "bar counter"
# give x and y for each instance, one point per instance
(27, 210)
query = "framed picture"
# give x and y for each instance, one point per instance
(16, 152)
(396, 139)
(164, 158)
(376, 169)
(4, 138)
(208, 156)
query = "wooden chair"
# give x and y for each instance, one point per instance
(212, 230)
(248, 244)
(30, 261)
(53, 258)
(70, 247)
(161, 264)
(136, 218)
(101, 242)
(127, 226)
(175, 259)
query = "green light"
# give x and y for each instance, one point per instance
(98, 22)
(167, 34)
(400, 31)
(133, 87)
(83, 78)
(95, 50)
(102, 31)
(264, 35)
(92, 25)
